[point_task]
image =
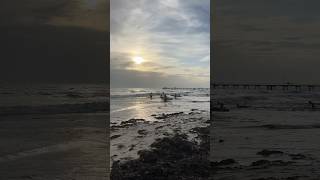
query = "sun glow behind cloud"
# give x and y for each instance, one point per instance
(138, 59)
(170, 38)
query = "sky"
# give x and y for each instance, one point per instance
(160, 43)
(266, 41)
(54, 41)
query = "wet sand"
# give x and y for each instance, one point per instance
(57, 146)
(178, 155)
(274, 136)
(134, 135)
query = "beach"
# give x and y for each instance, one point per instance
(266, 134)
(54, 132)
(143, 122)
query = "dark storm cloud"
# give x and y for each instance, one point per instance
(267, 41)
(37, 47)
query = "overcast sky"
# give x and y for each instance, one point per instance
(170, 37)
(267, 41)
(54, 41)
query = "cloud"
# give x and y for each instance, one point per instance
(131, 78)
(36, 49)
(170, 35)
(80, 13)
(266, 41)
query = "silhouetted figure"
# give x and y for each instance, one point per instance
(150, 95)
(175, 95)
(313, 106)
(165, 98)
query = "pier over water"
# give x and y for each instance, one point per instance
(284, 87)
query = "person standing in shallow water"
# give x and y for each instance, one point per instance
(165, 98)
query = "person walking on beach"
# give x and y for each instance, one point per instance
(150, 95)
(313, 106)
(165, 98)
(162, 95)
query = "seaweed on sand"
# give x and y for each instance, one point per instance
(169, 158)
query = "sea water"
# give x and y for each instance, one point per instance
(128, 103)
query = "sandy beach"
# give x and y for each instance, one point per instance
(268, 135)
(53, 147)
(47, 134)
(153, 126)
(177, 148)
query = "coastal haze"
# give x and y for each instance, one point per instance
(54, 89)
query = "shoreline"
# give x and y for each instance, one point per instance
(55, 146)
(171, 157)
(266, 135)
(134, 135)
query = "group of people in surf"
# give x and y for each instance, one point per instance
(164, 96)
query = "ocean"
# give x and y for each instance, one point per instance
(128, 103)
(137, 121)
(52, 98)
(50, 131)
(267, 132)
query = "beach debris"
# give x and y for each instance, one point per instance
(120, 146)
(132, 146)
(115, 136)
(142, 132)
(226, 162)
(175, 157)
(164, 116)
(192, 113)
(132, 122)
(159, 127)
(200, 130)
(266, 152)
(297, 156)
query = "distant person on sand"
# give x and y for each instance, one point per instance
(312, 104)
(150, 95)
